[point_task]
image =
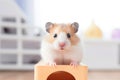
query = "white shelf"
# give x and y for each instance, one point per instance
(13, 25)
(16, 37)
(9, 25)
(8, 37)
(33, 52)
(14, 51)
(16, 67)
(101, 41)
(31, 38)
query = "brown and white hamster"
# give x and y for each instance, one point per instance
(61, 46)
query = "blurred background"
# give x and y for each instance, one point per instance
(22, 27)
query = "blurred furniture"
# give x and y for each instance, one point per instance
(102, 54)
(19, 44)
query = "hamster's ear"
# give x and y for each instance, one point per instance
(48, 26)
(75, 25)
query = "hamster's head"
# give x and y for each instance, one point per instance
(62, 36)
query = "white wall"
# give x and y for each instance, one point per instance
(105, 13)
(27, 7)
(10, 8)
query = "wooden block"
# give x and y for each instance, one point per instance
(60, 72)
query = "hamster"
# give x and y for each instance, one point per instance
(61, 46)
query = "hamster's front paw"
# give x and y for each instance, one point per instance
(52, 63)
(74, 63)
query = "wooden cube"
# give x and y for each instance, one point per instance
(60, 72)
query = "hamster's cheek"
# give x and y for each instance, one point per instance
(68, 44)
(56, 44)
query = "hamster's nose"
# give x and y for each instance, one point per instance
(62, 44)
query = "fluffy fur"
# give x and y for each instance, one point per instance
(52, 53)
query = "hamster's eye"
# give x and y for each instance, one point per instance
(55, 35)
(68, 35)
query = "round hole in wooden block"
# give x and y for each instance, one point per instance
(60, 75)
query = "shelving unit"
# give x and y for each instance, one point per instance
(114, 41)
(19, 45)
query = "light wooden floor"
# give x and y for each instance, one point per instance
(28, 75)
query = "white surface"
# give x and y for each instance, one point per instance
(102, 54)
(106, 41)
(106, 14)
(10, 8)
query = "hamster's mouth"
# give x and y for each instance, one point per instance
(61, 48)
